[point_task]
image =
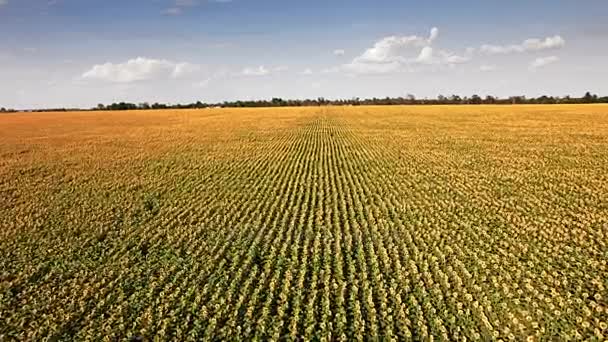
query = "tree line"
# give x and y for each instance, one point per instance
(387, 101)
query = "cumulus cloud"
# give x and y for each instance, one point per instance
(394, 53)
(306, 72)
(431, 56)
(528, 45)
(411, 53)
(426, 55)
(139, 69)
(543, 62)
(392, 48)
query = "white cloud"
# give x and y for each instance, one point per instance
(543, 62)
(487, 68)
(434, 34)
(3, 2)
(426, 55)
(431, 56)
(395, 54)
(339, 52)
(555, 42)
(139, 69)
(393, 47)
(410, 53)
(528, 45)
(306, 72)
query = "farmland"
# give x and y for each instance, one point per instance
(325, 223)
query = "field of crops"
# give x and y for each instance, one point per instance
(327, 223)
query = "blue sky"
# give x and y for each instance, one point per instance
(82, 52)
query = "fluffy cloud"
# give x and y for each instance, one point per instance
(392, 48)
(394, 53)
(543, 61)
(410, 53)
(431, 56)
(528, 45)
(426, 55)
(139, 69)
(339, 52)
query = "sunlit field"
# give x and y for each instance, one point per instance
(324, 223)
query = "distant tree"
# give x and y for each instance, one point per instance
(455, 99)
(545, 100)
(276, 101)
(588, 98)
(409, 99)
(517, 99)
(2, 110)
(475, 99)
(157, 105)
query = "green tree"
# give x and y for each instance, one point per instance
(588, 98)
